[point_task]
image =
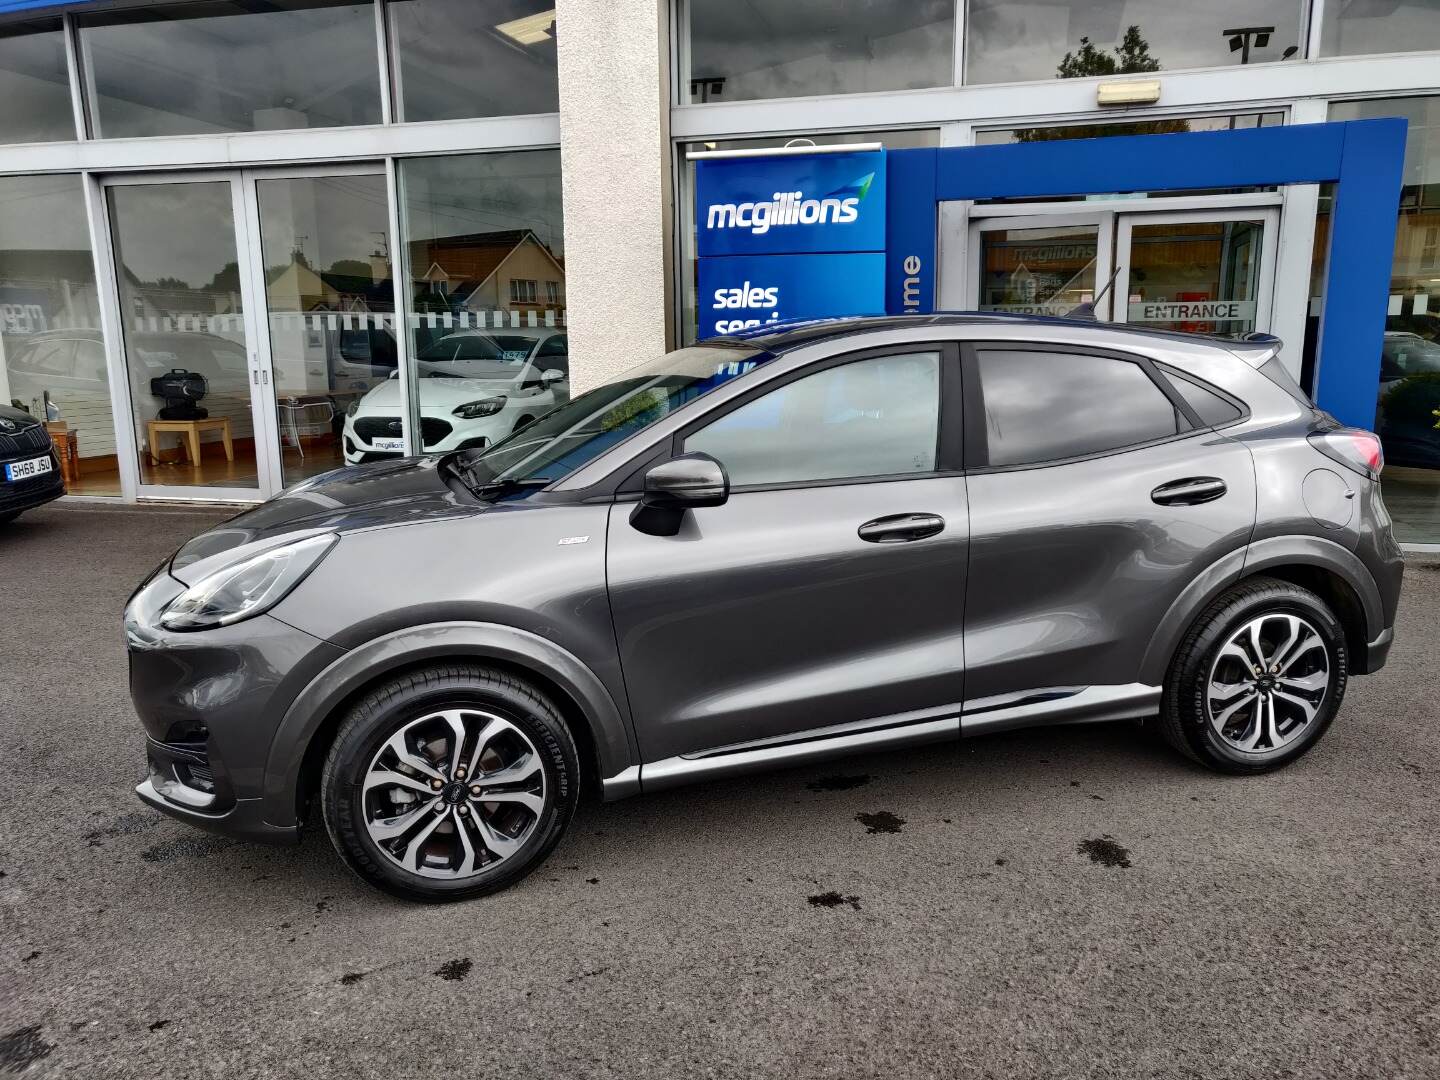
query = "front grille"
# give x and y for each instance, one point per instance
(25, 441)
(378, 427)
(432, 429)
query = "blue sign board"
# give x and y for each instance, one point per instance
(792, 236)
(792, 204)
(739, 292)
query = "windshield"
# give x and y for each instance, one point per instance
(473, 355)
(566, 438)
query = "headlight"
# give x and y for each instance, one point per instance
(473, 410)
(247, 588)
(353, 407)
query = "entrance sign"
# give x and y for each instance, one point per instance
(789, 236)
(1191, 310)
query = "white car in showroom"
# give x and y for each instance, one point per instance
(476, 387)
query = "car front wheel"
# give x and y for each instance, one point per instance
(1257, 680)
(450, 782)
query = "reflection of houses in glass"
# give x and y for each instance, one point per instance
(511, 270)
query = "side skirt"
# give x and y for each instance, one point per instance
(1035, 708)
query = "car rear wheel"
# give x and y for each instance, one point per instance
(1257, 680)
(449, 783)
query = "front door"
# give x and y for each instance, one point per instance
(1204, 271)
(254, 307)
(829, 589)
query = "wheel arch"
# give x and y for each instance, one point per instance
(297, 751)
(1332, 572)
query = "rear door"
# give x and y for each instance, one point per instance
(1098, 491)
(829, 589)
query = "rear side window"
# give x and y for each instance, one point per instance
(1047, 406)
(1212, 409)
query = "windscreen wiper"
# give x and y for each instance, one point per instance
(509, 485)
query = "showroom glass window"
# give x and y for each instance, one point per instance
(34, 84)
(1023, 42)
(892, 140)
(460, 58)
(52, 355)
(739, 52)
(1408, 414)
(230, 66)
(480, 231)
(1354, 29)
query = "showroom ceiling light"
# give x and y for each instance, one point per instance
(531, 29)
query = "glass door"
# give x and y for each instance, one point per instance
(328, 334)
(1043, 265)
(199, 420)
(1208, 273)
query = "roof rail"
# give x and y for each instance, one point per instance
(1256, 348)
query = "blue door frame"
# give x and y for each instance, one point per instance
(1364, 159)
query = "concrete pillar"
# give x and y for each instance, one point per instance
(615, 160)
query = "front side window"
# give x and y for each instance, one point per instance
(1049, 406)
(877, 417)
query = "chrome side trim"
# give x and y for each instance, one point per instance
(874, 723)
(675, 771)
(1059, 705)
(622, 785)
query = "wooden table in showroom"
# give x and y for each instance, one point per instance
(190, 430)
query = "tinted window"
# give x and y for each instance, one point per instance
(1212, 409)
(1044, 406)
(34, 84)
(875, 417)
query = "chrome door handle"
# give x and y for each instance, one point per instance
(901, 528)
(1190, 491)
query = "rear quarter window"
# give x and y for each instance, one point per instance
(1048, 406)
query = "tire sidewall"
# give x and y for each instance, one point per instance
(1194, 679)
(360, 739)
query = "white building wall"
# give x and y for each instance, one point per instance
(614, 110)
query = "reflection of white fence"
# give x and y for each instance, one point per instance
(352, 320)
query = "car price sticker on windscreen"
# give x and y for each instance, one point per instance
(1192, 310)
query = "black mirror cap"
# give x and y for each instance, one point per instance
(687, 482)
(690, 480)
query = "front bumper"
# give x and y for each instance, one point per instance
(210, 702)
(28, 494)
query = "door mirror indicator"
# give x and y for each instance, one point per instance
(687, 482)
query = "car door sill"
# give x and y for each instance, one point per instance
(1005, 712)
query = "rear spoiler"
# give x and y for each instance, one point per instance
(1255, 349)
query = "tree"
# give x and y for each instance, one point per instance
(1132, 55)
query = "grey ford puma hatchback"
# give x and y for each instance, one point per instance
(774, 548)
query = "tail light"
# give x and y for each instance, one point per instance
(1355, 448)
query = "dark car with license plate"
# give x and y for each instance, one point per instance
(29, 470)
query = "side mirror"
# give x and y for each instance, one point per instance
(552, 376)
(687, 482)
